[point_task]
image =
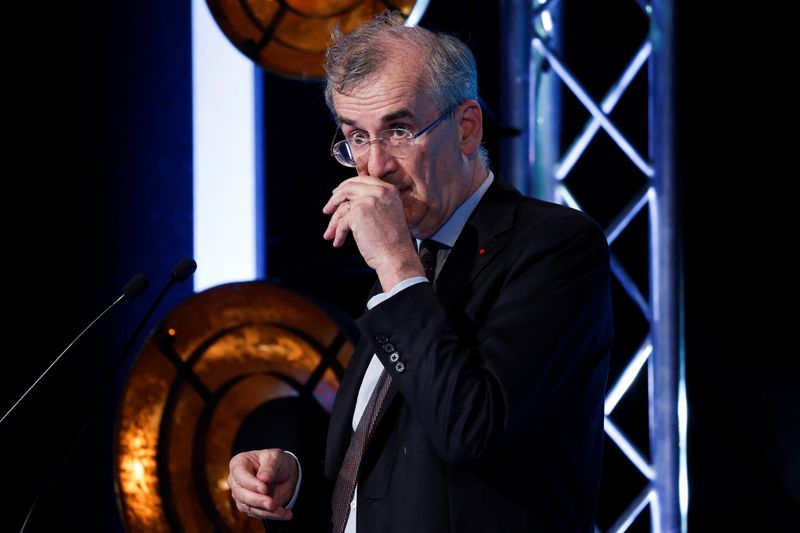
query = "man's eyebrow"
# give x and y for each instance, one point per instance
(401, 113)
(391, 117)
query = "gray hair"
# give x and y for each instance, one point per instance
(449, 72)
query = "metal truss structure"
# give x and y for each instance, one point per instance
(537, 79)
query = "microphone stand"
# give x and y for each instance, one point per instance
(180, 273)
(132, 289)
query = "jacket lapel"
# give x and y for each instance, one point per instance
(485, 234)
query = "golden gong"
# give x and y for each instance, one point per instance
(236, 367)
(290, 37)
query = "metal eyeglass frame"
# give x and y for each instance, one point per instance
(337, 154)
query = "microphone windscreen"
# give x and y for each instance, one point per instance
(136, 286)
(183, 270)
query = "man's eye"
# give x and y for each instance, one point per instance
(359, 138)
(397, 134)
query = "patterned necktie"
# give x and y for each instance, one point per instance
(348, 474)
(428, 250)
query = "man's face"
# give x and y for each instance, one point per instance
(431, 178)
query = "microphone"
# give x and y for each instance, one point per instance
(135, 287)
(182, 271)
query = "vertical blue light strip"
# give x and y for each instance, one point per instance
(260, 219)
(226, 181)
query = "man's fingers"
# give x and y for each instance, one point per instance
(266, 472)
(337, 225)
(259, 512)
(240, 475)
(250, 494)
(342, 229)
(360, 181)
(339, 199)
(248, 501)
(254, 478)
(358, 187)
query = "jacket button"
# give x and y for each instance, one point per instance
(394, 357)
(388, 347)
(400, 367)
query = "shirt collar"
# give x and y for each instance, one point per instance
(451, 229)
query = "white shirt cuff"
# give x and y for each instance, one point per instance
(299, 481)
(383, 296)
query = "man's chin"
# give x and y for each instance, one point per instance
(421, 231)
(412, 219)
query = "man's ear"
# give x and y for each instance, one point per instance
(470, 126)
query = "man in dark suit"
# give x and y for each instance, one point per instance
(474, 400)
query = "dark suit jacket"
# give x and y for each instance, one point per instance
(495, 423)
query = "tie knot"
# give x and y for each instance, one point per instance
(428, 250)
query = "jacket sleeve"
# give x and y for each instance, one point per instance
(475, 382)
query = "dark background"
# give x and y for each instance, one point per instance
(98, 187)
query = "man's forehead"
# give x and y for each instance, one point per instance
(396, 91)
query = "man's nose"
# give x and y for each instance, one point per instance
(379, 162)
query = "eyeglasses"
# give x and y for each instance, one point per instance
(397, 142)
